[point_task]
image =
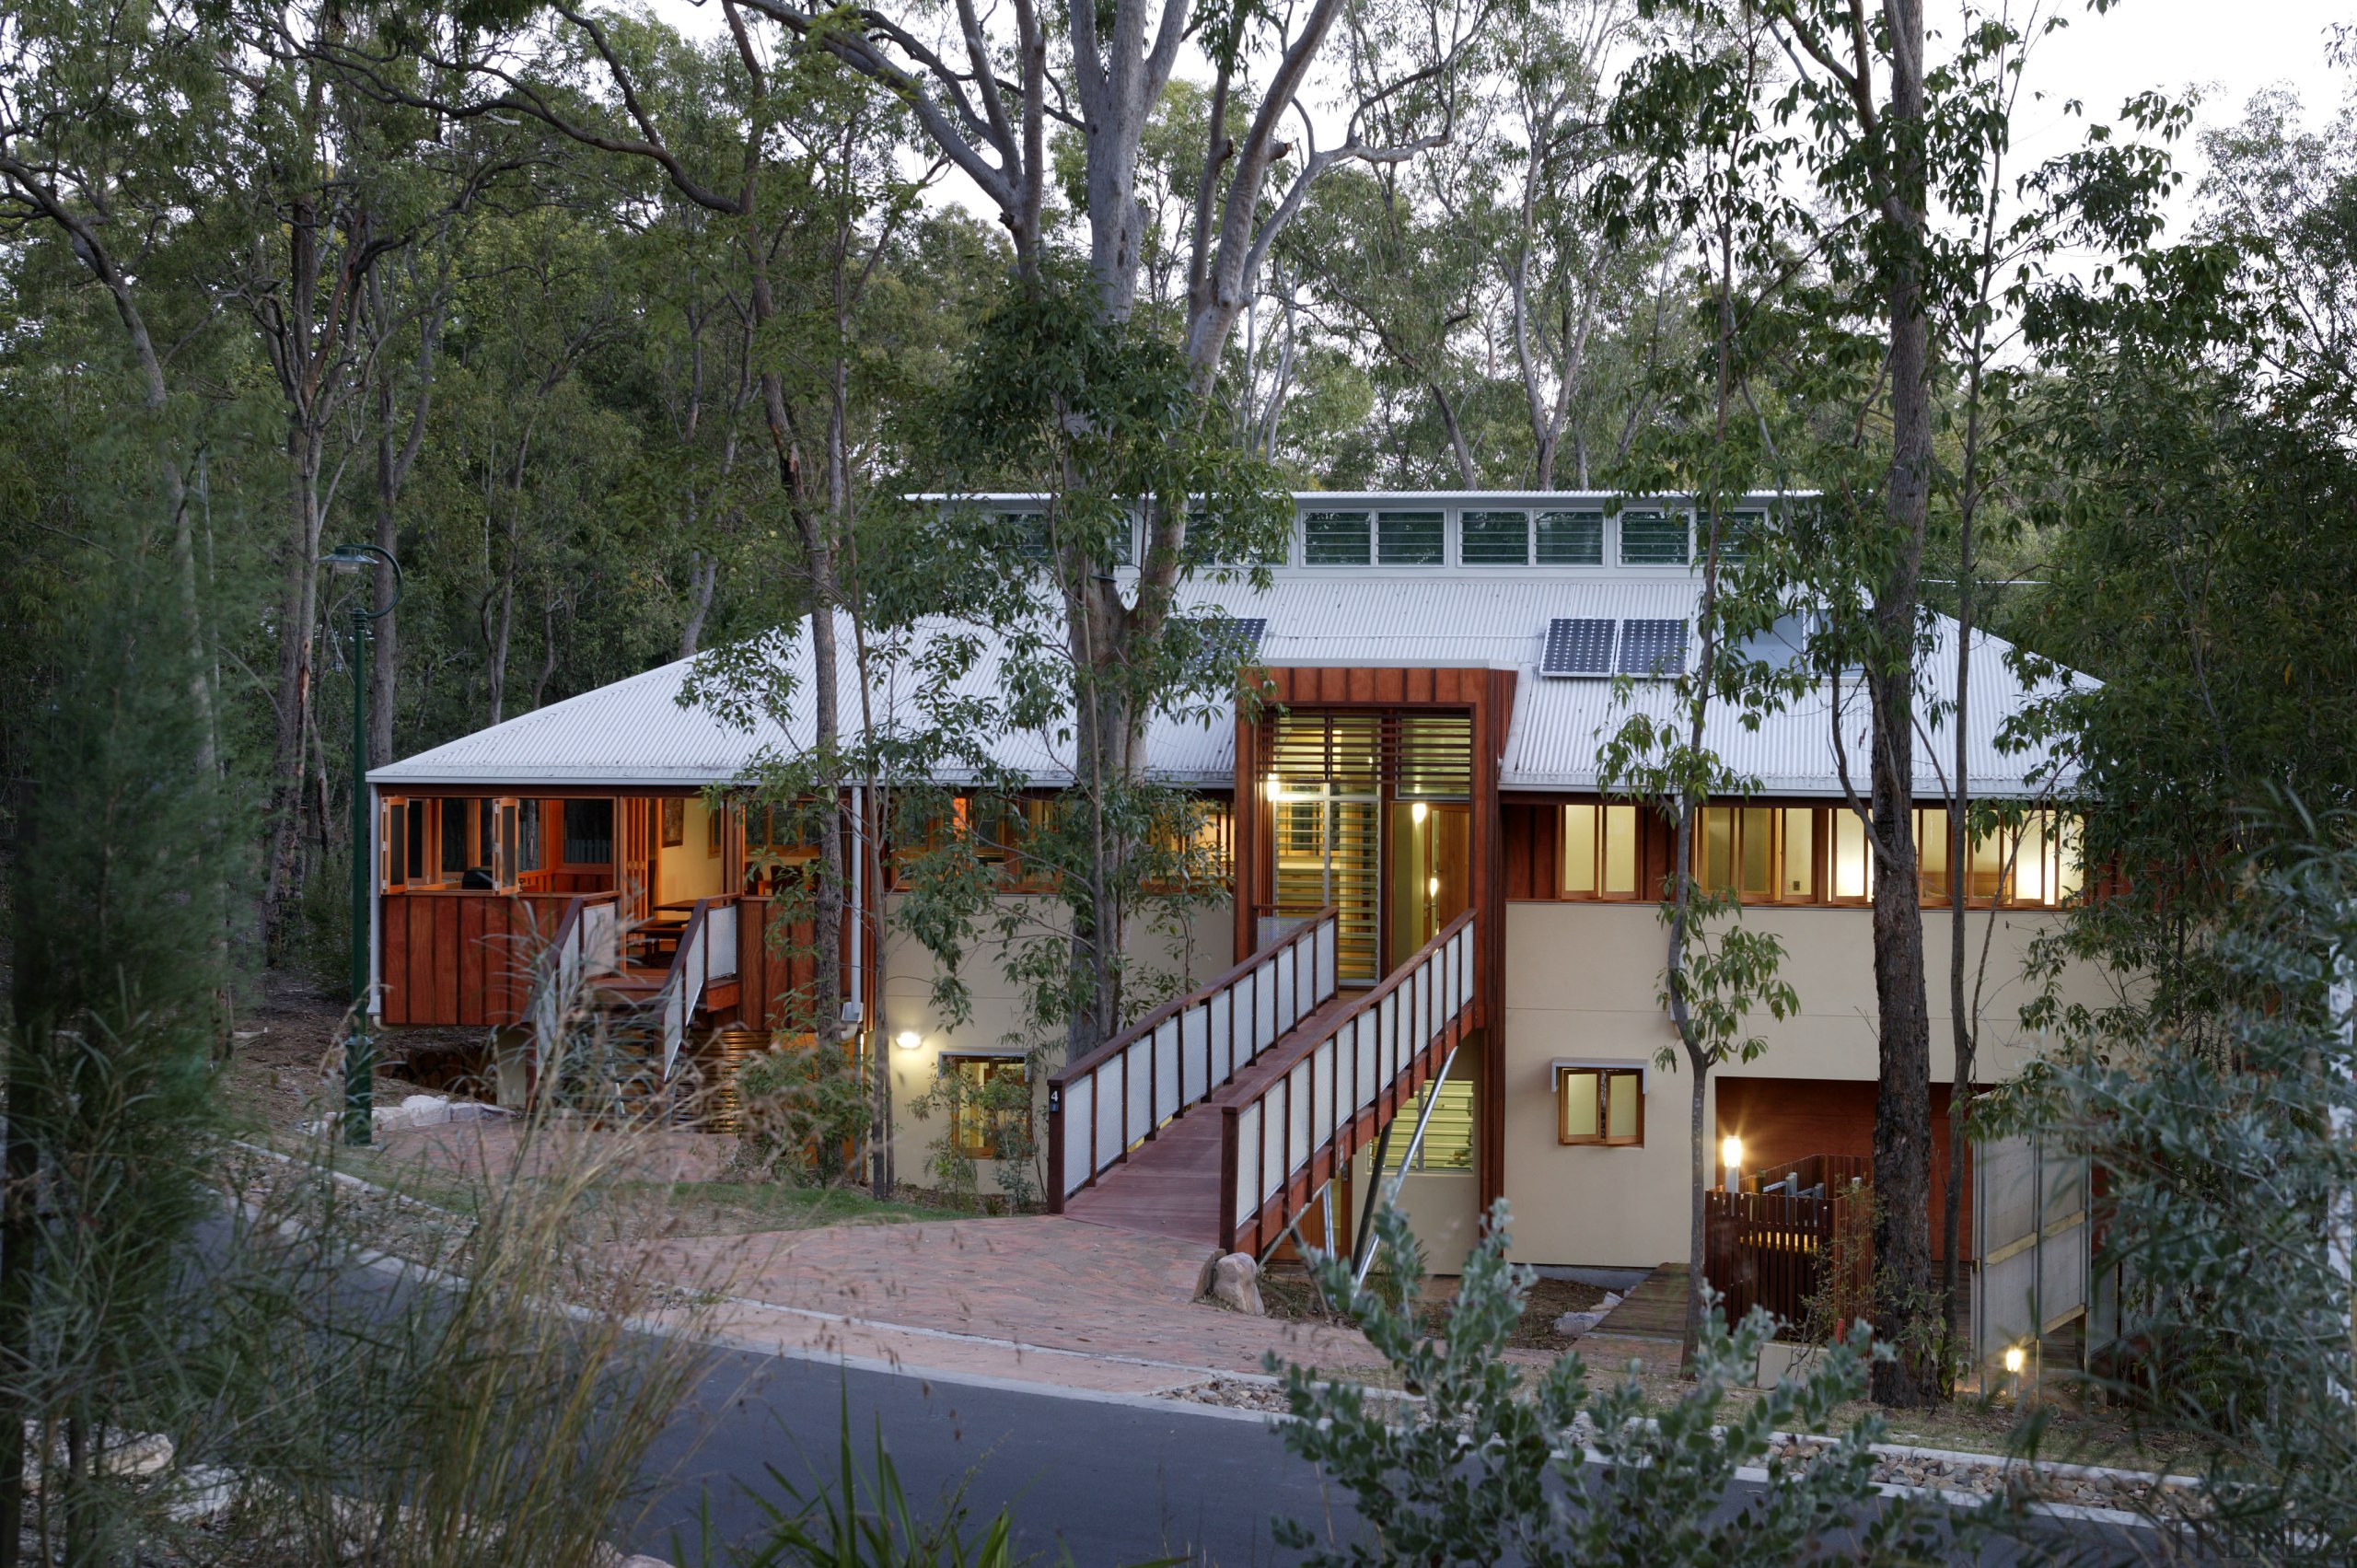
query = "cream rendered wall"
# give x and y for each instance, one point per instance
(689, 869)
(1582, 981)
(1189, 957)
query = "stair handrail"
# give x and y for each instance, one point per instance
(693, 969)
(1332, 1101)
(559, 971)
(1180, 1054)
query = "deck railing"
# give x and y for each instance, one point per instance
(1101, 1106)
(1285, 1142)
(707, 952)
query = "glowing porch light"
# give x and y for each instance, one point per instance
(1731, 1162)
(1416, 813)
(908, 1040)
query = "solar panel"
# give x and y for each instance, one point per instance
(1653, 647)
(1231, 638)
(1578, 646)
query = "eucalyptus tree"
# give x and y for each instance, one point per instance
(1872, 137)
(1399, 262)
(107, 121)
(1701, 196)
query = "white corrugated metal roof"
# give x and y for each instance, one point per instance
(635, 732)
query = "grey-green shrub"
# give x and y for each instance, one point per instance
(1485, 1465)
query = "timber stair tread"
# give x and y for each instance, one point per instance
(1170, 1184)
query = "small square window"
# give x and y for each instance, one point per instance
(1654, 539)
(1409, 539)
(1495, 538)
(1336, 539)
(1570, 539)
(1601, 1105)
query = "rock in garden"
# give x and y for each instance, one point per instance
(1236, 1283)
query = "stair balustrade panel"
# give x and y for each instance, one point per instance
(1177, 1057)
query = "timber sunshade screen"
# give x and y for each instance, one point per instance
(1327, 776)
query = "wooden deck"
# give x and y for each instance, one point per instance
(1170, 1184)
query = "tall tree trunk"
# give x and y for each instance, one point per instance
(498, 627)
(298, 611)
(1902, 1140)
(706, 575)
(395, 455)
(813, 526)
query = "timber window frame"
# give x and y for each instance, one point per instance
(1603, 858)
(1590, 1101)
(970, 1132)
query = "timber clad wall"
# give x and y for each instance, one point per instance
(462, 957)
(774, 966)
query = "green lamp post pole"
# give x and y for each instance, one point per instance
(360, 1051)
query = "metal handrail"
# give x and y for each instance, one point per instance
(1177, 1055)
(1316, 1104)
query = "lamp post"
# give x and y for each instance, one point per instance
(360, 1054)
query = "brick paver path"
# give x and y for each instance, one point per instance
(966, 1293)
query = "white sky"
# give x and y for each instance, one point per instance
(2228, 49)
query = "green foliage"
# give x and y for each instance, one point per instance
(120, 903)
(803, 1106)
(1004, 1109)
(318, 939)
(1487, 1464)
(2230, 1148)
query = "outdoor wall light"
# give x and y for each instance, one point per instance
(1416, 813)
(2015, 1361)
(1731, 1158)
(1431, 887)
(908, 1040)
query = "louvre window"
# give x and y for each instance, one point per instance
(1654, 539)
(1570, 539)
(1410, 539)
(1336, 539)
(1448, 1136)
(1736, 532)
(1495, 538)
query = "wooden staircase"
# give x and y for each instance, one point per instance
(646, 1016)
(1223, 1116)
